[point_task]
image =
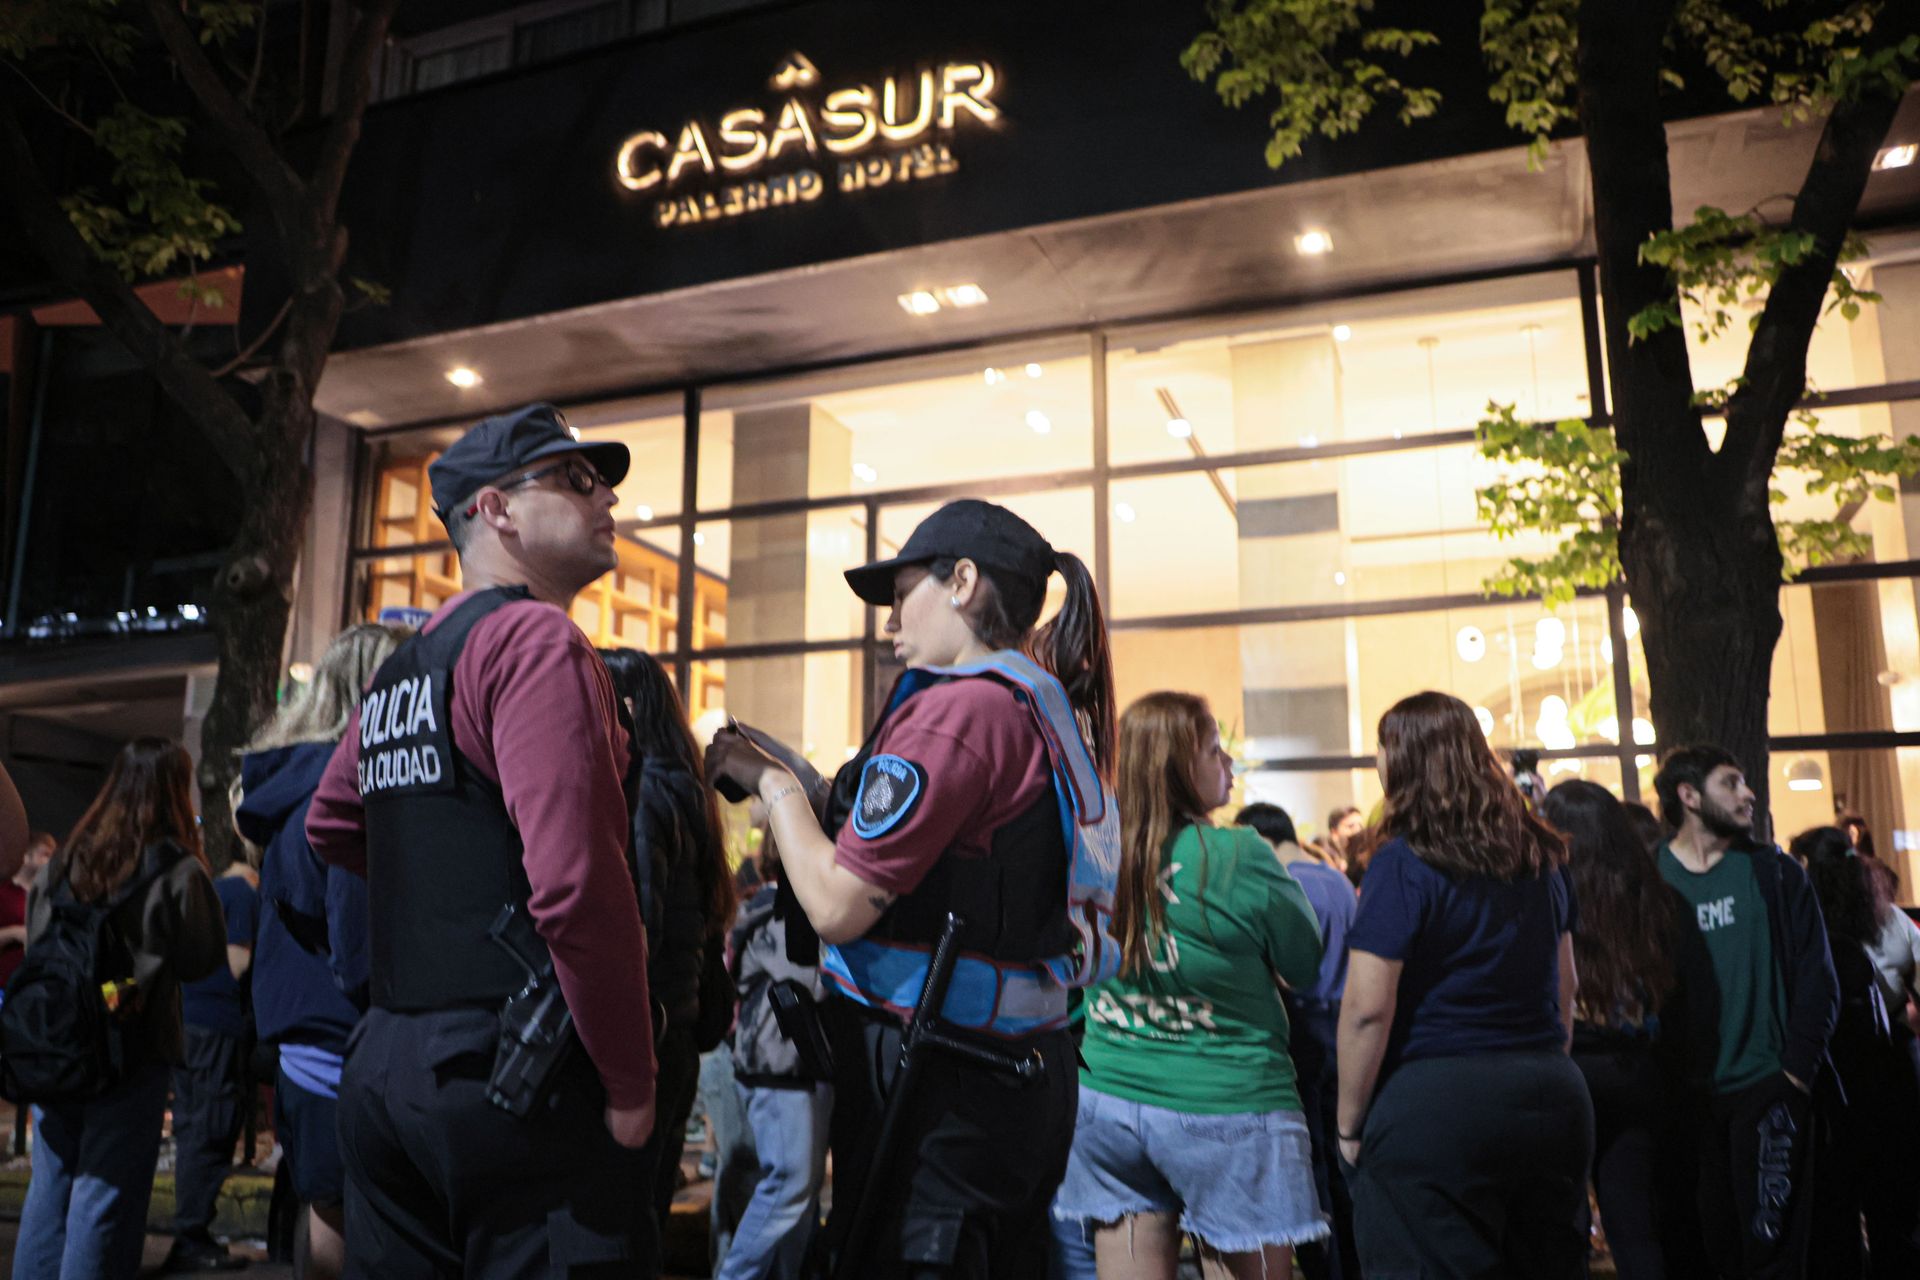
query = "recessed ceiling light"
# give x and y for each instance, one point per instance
(463, 377)
(965, 295)
(642, 511)
(1039, 421)
(1124, 512)
(1897, 157)
(1312, 243)
(1339, 578)
(994, 376)
(1034, 371)
(1310, 441)
(919, 303)
(1179, 428)
(865, 473)
(1342, 332)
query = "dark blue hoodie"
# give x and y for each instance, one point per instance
(310, 962)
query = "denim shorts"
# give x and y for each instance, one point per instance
(1238, 1181)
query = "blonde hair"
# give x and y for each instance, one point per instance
(1160, 739)
(319, 712)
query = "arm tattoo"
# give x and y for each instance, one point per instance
(881, 901)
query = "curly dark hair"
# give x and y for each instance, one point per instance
(1840, 881)
(1627, 914)
(1452, 800)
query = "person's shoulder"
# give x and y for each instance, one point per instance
(531, 622)
(976, 710)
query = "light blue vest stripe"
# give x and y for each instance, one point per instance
(1012, 1000)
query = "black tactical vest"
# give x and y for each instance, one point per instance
(442, 855)
(1013, 899)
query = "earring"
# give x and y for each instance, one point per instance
(954, 601)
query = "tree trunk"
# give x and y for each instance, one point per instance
(251, 606)
(1703, 571)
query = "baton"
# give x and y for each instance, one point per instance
(922, 1032)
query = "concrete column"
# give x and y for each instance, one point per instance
(773, 566)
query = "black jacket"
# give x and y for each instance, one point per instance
(670, 837)
(1802, 964)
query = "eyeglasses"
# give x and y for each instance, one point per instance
(582, 477)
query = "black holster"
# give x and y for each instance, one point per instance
(536, 1027)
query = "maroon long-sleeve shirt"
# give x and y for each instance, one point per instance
(533, 710)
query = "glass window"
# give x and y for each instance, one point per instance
(1363, 369)
(905, 424)
(1372, 527)
(1814, 788)
(635, 606)
(781, 577)
(1848, 660)
(399, 499)
(1318, 688)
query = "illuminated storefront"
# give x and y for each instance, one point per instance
(1274, 481)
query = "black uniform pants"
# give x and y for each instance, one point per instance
(1756, 1172)
(1312, 1025)
(1642, 1181)
(441, 1183)
(206, 1124)
(1475, 1166)
(981, 1154)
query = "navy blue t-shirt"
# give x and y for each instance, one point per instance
(1481, 956)
(216, 1002)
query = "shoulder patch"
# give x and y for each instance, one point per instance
(890, 788)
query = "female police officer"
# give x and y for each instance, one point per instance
(981, 792)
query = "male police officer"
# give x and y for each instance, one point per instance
(482, 771)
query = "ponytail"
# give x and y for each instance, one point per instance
(1074, 648)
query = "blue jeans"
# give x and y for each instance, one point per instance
(790, 1136)
(86, 1210)
(735, 1169)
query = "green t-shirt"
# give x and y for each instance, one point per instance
(1202, 1029)
(1732, 966)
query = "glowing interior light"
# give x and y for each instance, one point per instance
(463, 377)
(1339, 578)
(1124, 512)
(1550, 633)
(1179, 428)
(1893, 158)
(1039, 421)
(994, 377)
(919, 303)
(1630, 622)
(1485, 717)
(642, 511)
(1553, 709)
(1034, 370)
(699, 539)
(865, 473)
(1312, 243)
(1642, 732)
(1470, 644)
(1342, 332)
(966, 295)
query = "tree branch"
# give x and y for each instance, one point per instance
(349, 106)
(1776, 368)
(285, 194)
(52, 234)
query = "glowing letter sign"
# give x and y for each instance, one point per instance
(898, 131)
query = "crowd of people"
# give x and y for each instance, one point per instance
(1049, 1010)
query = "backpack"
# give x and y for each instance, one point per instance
(63, 1033)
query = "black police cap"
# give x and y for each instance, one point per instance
(969, 529)
(508, 441)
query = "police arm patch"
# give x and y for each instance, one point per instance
(890, 789)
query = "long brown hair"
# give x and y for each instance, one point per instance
(661, 730)
(1448, 797)
(1627, 916)
(1160, 738)
(148, 797)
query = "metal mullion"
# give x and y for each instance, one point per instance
(778, 649)
(1102, 485)
(689, 569)
(1594, 334)
(1335, 764)
(1326, 612)
(869, 656)
(1857, 740)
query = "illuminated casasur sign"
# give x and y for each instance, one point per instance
(895, 132)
